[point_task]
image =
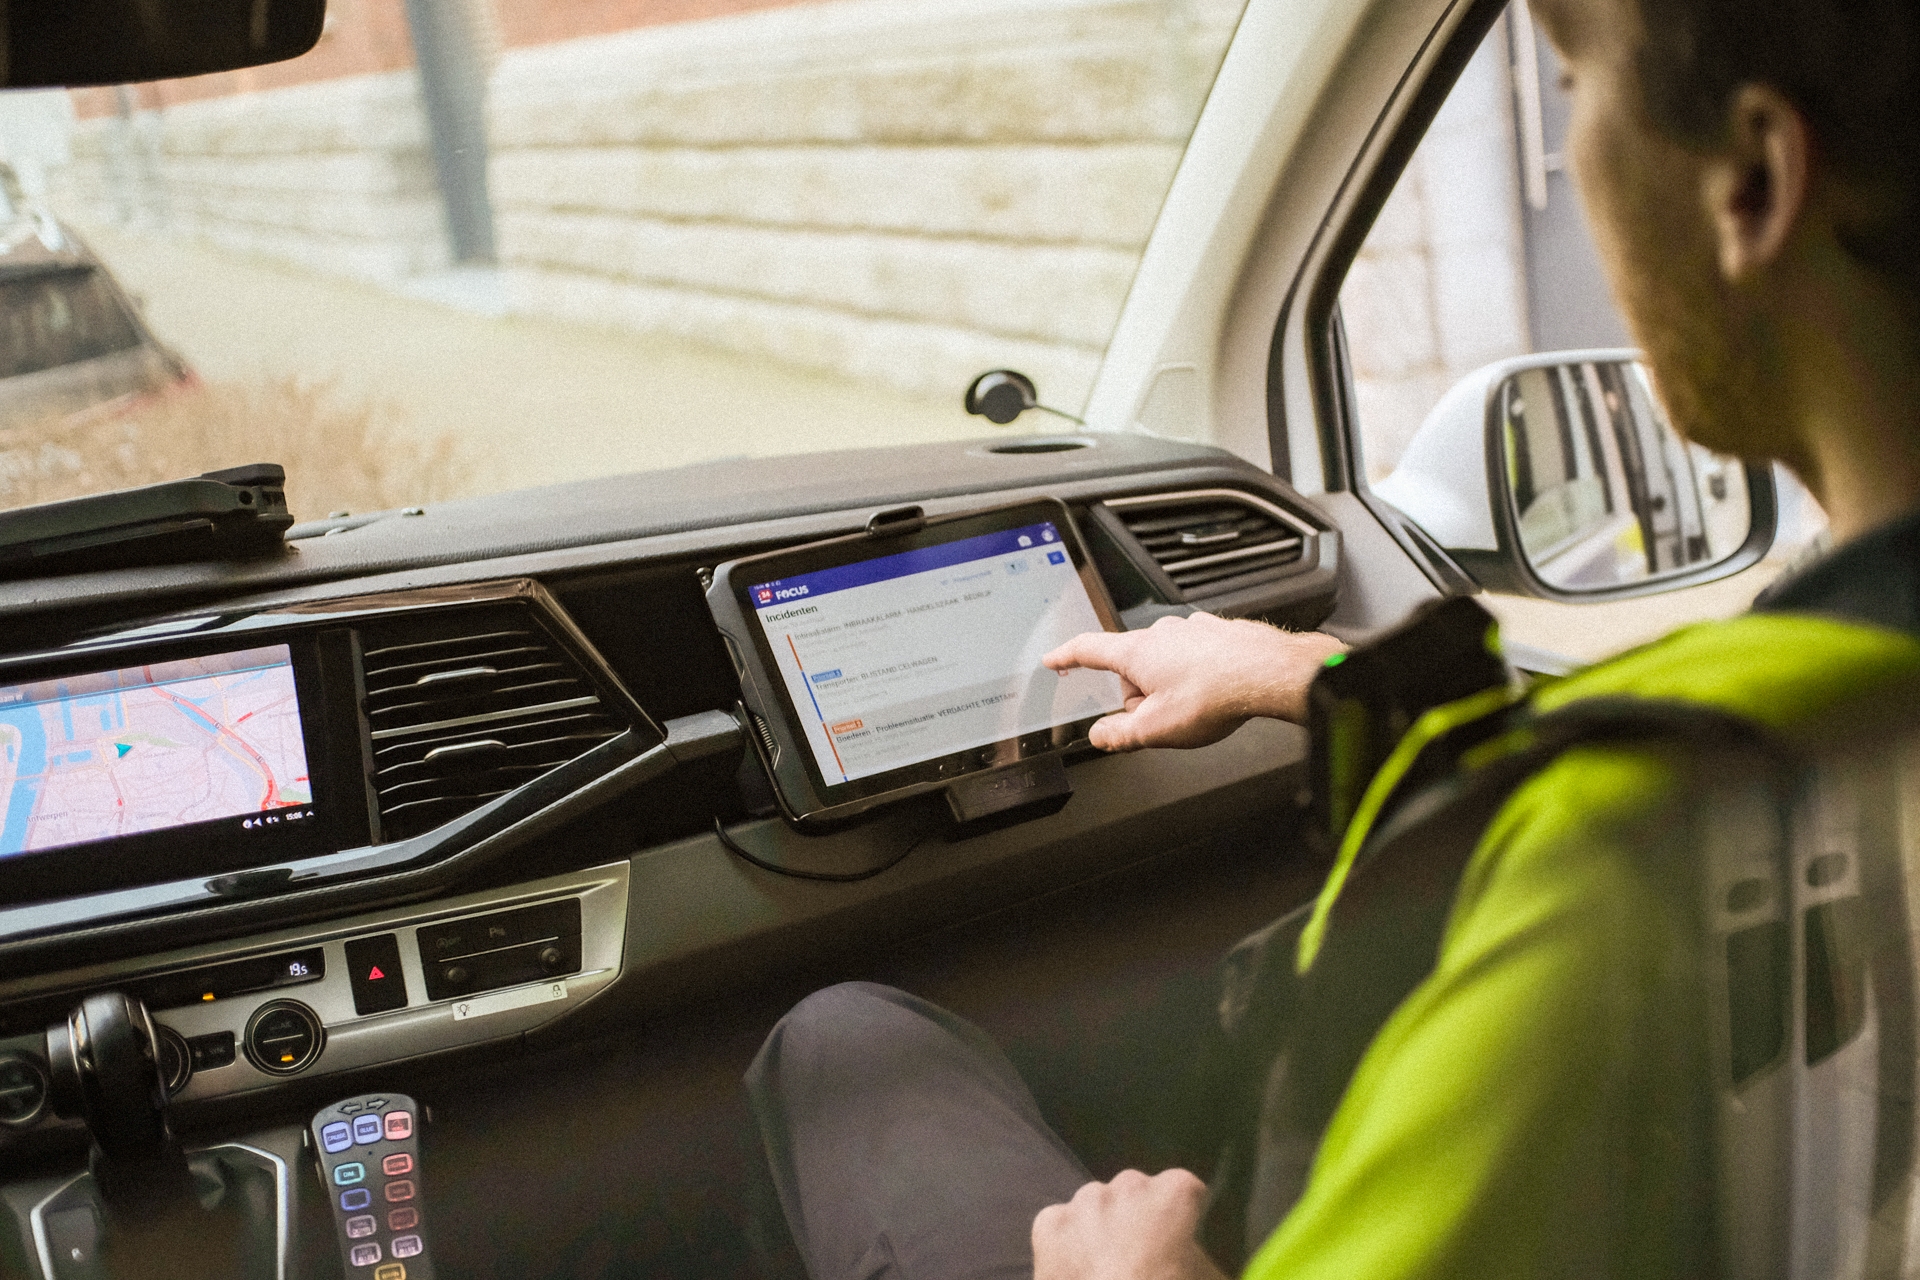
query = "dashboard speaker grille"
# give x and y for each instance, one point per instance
(1214, 542)
(466, 705)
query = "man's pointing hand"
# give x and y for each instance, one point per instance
(1192, 681)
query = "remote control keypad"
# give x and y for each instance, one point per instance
(370, 1161)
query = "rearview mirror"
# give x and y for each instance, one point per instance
(49, 43)
(1559, 476)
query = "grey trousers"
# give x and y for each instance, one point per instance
(903, 1143)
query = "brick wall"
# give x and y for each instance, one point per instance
(361, 37)
(365, 37)
(531, 22)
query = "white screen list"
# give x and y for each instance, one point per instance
(914, 656)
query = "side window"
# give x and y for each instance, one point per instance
(1483, 253)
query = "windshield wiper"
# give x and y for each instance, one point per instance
(234, 514)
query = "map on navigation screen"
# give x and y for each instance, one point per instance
(114, 753)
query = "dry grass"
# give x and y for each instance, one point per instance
(339, 455)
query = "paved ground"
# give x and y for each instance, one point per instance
(535, 401)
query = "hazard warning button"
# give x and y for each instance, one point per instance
(373, 967)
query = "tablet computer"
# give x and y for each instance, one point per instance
(886, 664)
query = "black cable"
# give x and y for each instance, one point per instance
(733, 847)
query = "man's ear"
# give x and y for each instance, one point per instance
(1756, 183)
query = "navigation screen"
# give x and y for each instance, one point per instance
(114, 753)
(914, 656)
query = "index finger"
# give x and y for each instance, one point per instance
(1100, 650)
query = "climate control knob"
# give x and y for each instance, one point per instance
(176, 1060)
(23, 1089)
(284, 1037)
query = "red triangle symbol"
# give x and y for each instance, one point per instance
(376, 975)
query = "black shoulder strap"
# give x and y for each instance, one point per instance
(1290, 1043)
(1361, 705)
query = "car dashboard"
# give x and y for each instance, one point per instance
(532, 784)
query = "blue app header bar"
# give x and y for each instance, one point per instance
(809, 586)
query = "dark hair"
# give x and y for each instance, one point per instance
(1851, 66)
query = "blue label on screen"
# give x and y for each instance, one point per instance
(809, 586)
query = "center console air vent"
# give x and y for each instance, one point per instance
(466, 704)
(1214, 541)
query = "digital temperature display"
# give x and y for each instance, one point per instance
(218, 982)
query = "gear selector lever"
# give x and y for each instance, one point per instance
(146, 1205)
(106, 1070)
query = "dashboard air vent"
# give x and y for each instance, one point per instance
(1211, 542)
(466, 705)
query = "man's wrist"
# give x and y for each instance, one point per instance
(1300, 658)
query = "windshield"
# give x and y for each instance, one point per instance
(477, 245)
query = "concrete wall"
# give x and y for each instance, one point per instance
(905, 191)
(333, 176)
(908, 191)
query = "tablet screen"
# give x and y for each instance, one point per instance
(908, 657)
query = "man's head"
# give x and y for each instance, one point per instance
(1747, 163)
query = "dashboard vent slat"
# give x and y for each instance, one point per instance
(1213, 542)
(465, 705)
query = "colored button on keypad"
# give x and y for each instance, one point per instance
(345, 1175)
(358, 1198)
(402, 1219)
(399, 1191)
(361, 1227)
(392, 1271)
(364, 1255)
(396, 1164)
(406, 1246)
(366, 1129)
(337, 1136)
(399, 1125)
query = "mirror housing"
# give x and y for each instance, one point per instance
(1631, 510)
(73, 43)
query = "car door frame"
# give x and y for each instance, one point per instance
(1317, 108)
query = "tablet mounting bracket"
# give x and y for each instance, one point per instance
(1039, 785)
(895, 521)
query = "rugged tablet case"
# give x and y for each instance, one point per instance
(770, 731)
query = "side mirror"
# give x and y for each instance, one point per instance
(1559, 476)
(49, 43)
